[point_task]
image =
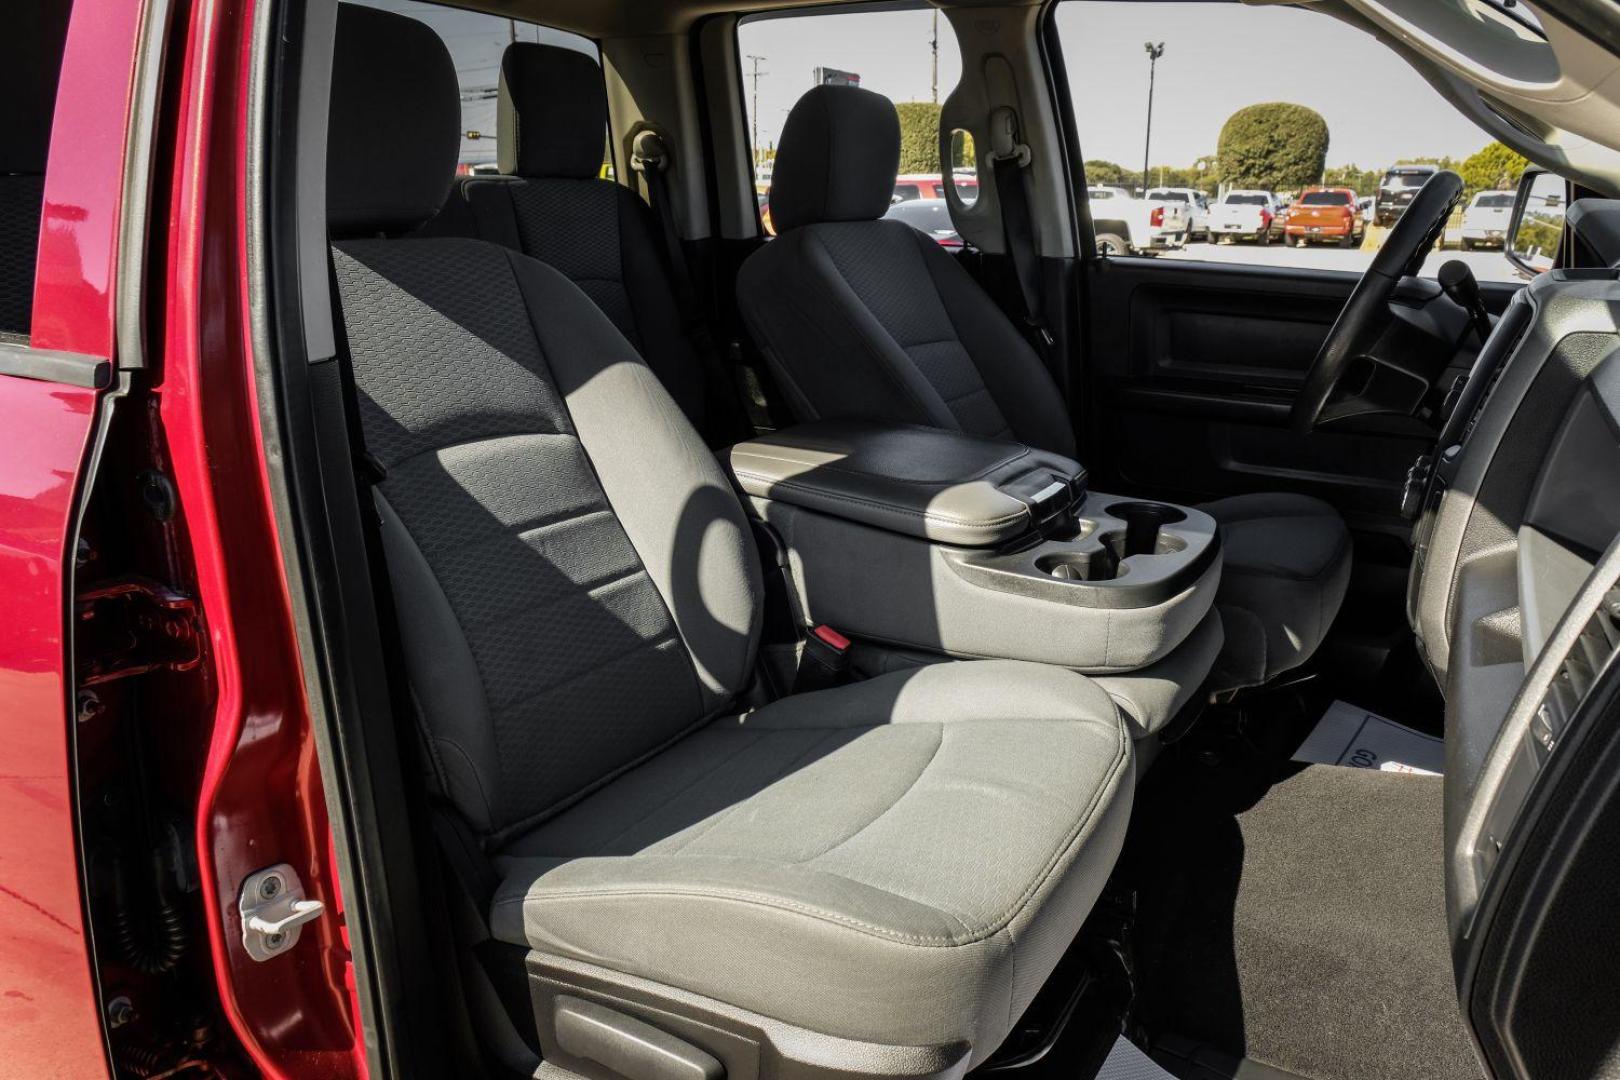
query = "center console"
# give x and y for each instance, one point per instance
(973, 547)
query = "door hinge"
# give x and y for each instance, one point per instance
(132, 626)
(274, 911)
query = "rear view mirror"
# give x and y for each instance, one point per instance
(1537, 228)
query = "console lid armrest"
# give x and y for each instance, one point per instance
(943, 486)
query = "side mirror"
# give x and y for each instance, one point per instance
(1536, 230)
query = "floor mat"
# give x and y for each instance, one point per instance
(1349, 735)
(1127, 1062)
(1306, 931)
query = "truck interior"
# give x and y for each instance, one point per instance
(829, 654)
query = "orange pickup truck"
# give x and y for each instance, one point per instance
(1325, 213)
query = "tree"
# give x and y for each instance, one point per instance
(1361, 181)
(1497, 166)
(1107, 172)
(1276, 146)
(919, 136)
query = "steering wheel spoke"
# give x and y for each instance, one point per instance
(1380, 385)
(1373, 386)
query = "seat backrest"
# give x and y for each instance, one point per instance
(30, 62)
(868, 319)
(575, 581)
(552, 203)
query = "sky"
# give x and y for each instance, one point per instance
(1218, 57)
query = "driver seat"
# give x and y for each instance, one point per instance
(870, 319)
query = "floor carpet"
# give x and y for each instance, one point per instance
(1301, 924)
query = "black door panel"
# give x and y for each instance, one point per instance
(1194, 367)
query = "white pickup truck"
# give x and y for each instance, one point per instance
(1126, 225)
(1485, 222)
(1244, 215)
(1197, 204)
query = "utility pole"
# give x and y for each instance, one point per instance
(1154, 51)
(934, 45)
(754, 76)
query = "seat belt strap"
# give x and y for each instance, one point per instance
(1010, 167)
(652, 159)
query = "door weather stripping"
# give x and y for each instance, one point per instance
(274, 911)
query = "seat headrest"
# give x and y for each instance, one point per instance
(30, 62)
(394, 129)
(837, 158)
(552, 112)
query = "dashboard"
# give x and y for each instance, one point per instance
(1512, 595)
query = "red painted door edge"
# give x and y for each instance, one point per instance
(262, 800)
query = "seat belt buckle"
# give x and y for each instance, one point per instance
(1039, 329)
(824, 662)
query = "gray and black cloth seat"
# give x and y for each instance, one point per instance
(868, 319)
(552, 203)
(30, 62)
(876, 870)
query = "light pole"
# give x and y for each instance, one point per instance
(754, 109)
(1154, 51)
(933, 45)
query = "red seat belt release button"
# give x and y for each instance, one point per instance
(825, 661)
(831, 638)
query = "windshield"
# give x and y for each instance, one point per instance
(1406, 180)
(1325, 198)
(1169, 196)
(1495, 200)
(1245, 200)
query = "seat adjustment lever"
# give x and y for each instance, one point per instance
(626, 1046)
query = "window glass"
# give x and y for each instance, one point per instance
(910, 57)
(1262, 108)
(476, 42)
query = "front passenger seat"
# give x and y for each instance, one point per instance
(872, 880)
(862, 318)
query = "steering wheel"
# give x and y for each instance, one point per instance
(1366, 312)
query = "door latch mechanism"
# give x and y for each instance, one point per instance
(274, 911)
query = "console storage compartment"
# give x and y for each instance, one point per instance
(977, 547)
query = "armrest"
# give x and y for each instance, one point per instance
(942, 486)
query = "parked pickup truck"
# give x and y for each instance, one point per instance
(1126, 225)
(1397, 190)
(1197, 207)
(1244, 215)
(1485, 222)
(1325, 213)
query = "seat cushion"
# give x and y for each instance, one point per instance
(901, 860)
(1286, 568)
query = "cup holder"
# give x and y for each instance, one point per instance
(1144, 530)
(1144, 534)
(1100, 565)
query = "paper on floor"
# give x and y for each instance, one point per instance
(1347, 735)
(1126, 1062)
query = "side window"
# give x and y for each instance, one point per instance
(910, 57)
(1267, 135)
(476, 42)
(28, 88)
